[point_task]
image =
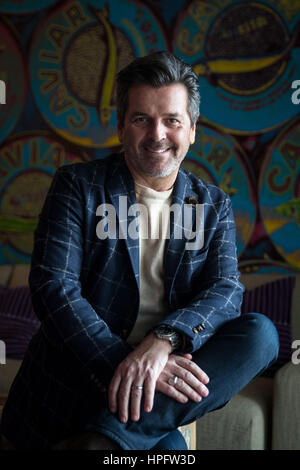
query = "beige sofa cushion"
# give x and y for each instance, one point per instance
(14, 276)
(5, 274)
(20, 275)
(8, 372)
(242, 424)
(286, 408)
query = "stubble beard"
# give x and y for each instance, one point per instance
(151, 167)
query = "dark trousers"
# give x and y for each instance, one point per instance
(239, 351)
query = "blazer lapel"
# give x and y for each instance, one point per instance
(182, 221)
(122, 193)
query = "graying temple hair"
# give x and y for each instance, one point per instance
(158, 69)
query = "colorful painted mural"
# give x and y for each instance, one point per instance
(58, 60)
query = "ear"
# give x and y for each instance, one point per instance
(193, 134)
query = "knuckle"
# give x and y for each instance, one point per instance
(186, 375)
(123, 395)
(180, 383)
(150, 374)
(129, 372)
(135, 394)
(172, 392)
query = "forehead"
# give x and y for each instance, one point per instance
(166, 99)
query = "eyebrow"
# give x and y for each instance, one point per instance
(174, 115)
(141, 113)
(138, 113)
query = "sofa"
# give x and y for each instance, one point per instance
(264, 415)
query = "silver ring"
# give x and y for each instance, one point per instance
(173, 380)
(139, 387)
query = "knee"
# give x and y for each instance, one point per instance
(262, 333)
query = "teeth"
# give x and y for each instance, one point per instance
(158, 151)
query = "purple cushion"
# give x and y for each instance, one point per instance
(274, 300)
(18, 322)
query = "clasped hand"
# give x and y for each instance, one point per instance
(152, 367)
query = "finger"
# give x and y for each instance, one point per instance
(192, 367)
(187, 356)
(136, 398)
(149, 390)
(187, 390)
(164, 387)
(190, 373)
(113, 392)
(188, 378)
(124, 397)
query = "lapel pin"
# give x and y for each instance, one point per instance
(191, 200)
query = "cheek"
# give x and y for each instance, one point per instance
(183, 140)
(134, 137)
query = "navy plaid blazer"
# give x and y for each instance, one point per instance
(85, 292)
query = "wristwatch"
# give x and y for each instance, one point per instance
(166, 332)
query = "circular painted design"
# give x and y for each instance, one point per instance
(246, 56)
(217, 158)
(74, 59)
(13, 82)
(24, 6)
(27, 166)
(279, 193)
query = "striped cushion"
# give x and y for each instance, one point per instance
(274, 300)
(18, 322)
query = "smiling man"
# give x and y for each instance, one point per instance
(139, 335)
(156, 133)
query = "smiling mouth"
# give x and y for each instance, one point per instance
(158, 151)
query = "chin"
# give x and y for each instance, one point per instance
(161, 171)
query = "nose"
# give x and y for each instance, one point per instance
(157, 130)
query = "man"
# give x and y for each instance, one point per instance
(139, 334)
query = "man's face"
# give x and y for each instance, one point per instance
(157, 131)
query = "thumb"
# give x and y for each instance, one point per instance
(187, 356)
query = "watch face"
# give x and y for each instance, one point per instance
(166, 332)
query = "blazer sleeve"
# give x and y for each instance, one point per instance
(219, 293)
(68, 321)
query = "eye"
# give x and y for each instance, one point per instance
(173, 121)
(140, 119)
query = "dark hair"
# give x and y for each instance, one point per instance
(158, 69)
